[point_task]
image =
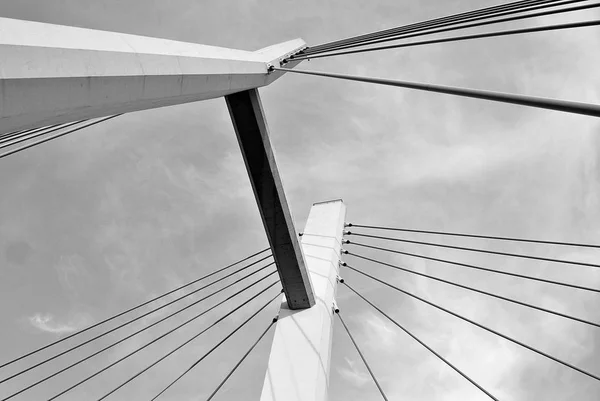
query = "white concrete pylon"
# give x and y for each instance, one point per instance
(52, 74)
(298, 368)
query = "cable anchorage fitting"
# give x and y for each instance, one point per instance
(347, 232)
(276, 318)
(335, 308)
(340, 279)
(344, 251)
(348, 225)
(345, 241)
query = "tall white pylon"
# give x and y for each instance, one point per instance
(298, 368)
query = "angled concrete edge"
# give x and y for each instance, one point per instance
(53, 74)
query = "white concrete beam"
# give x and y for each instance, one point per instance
(52, 74)
(298, 368)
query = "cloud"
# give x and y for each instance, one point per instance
(48, 324)
(377, 329)
(352, 374)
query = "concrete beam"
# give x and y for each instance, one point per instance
(55, 74)
(298, 368)
(252, 133)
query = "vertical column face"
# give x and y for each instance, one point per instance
(253, 137)
(298, 368)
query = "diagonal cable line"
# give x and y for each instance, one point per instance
(26, 136)
(17, 134)
(142, 330)
(51, 137)
(588, 109)
(7, 134)
(159, 337)
(455, 234)
(483, 15)
(473, 382)
(489, 294)
(428, 24)
(542, 280)
(184, 343)
(546, 28)
(126, 323)
(188, 341)
(216, 346)
(130, 309)
(481, 326)
(337, 312)
(237, 365)
(477, 24)
(462, 248)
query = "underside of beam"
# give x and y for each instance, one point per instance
(252, 132)
(55, 74)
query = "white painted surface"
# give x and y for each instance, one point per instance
(51, 74)
(298, 368)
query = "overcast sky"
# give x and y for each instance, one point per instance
(106, 218)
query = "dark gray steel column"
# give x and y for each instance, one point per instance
(252, 133)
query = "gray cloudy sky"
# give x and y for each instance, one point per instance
(101, 220)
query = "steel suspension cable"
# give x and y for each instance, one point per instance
(489, 294)
(125, 323)
(455, 21)
(337, 312)
(159, 337)
(456, 18)
(457, 370)
(11, 135)
(478, 24)
(542, 280)
(530, 101)
(455, 234)
(30, 145)
(462, 248)
(7, 134)
(142, 330)
(243, 358)
(481, 326)
(215, 347)
(26, 136)
(16, 132)
(185, 343)
(130, 309)
(583, 24)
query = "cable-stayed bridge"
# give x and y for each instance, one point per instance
(60, 80)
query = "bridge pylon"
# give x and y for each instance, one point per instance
(298, 368)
